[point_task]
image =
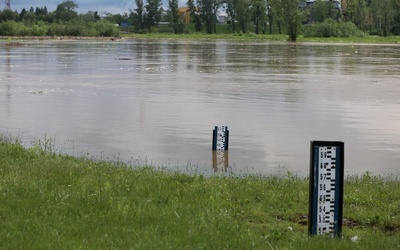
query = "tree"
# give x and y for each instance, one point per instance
(117, 18)
(356, 11)
(216, 4)
(275, 14)
(293, 18)
(41, 11)
(192, 9)
(8, 15)
(384, 12)
(21, 15)
(195, 15)
(65, 11)
(29, 17)
(153, 13)
(174, 16)
(138, 15)
(208, 11)
(243, 14)
(90, 16)
(231, 8)
(396, 19)
(207, 14)
(259, 8)
(319, 11)
(173, 7)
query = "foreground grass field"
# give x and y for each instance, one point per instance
(49, 201)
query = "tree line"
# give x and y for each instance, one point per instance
(293, 17)
(64, 21)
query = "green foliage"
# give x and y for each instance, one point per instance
(64, 21)
(8, 15)
(332, 28)
(165, 29)
(293, 18)
(153, 13)
(29, 17)
(378, 17)
(103, 28)
(319, 11)
(66, 11)
(73, 28)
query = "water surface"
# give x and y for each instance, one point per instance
(157, 102)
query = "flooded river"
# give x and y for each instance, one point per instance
(157, 102)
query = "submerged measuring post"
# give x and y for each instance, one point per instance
(326, 188)
(220, 138)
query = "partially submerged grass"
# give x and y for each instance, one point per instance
(271, 38)
(203, 36)
(60, 202)
(14, 41)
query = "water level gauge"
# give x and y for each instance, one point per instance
(326, 188)
(220, 138)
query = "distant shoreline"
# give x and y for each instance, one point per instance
(59, 38)
(373, 40)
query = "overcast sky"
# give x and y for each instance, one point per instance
(112, 6)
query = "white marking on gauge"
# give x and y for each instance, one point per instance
(326, 190)
(220, 138)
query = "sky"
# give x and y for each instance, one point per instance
(102, 6)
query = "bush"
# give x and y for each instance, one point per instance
(332, 28)
(165, 29)
(103, 28)
(73, 28)
(179, 28)
(13, 28)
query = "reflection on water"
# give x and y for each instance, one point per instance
(155, 102)
(220, 161)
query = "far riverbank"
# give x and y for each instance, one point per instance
(202, 36)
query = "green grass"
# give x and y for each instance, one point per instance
(204, 36)
(223, 33)
(50, 201)
(272, 38)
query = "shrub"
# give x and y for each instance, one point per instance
(165, 29)
(73, 28)
(178, 28)
(332, 28)
(13, 28)
(103, 28)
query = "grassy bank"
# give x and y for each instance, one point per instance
(202, 36)
(61, 202)
(272, 38)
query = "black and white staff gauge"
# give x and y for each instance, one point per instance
(220, 138)
(220, 144)
(326, 188)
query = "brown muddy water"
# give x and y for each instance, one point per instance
(157, 102)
